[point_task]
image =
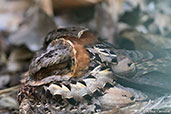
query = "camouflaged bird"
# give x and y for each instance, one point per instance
(76, 73)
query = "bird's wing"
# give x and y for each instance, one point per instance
(94, 93)
(58, 55)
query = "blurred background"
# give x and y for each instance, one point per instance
(127, 24)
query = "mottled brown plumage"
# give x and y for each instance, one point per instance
(77, 73)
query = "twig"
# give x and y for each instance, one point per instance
(8, 90)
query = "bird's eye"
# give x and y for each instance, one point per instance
(129, 64)
(132, 98)
(114, 60)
